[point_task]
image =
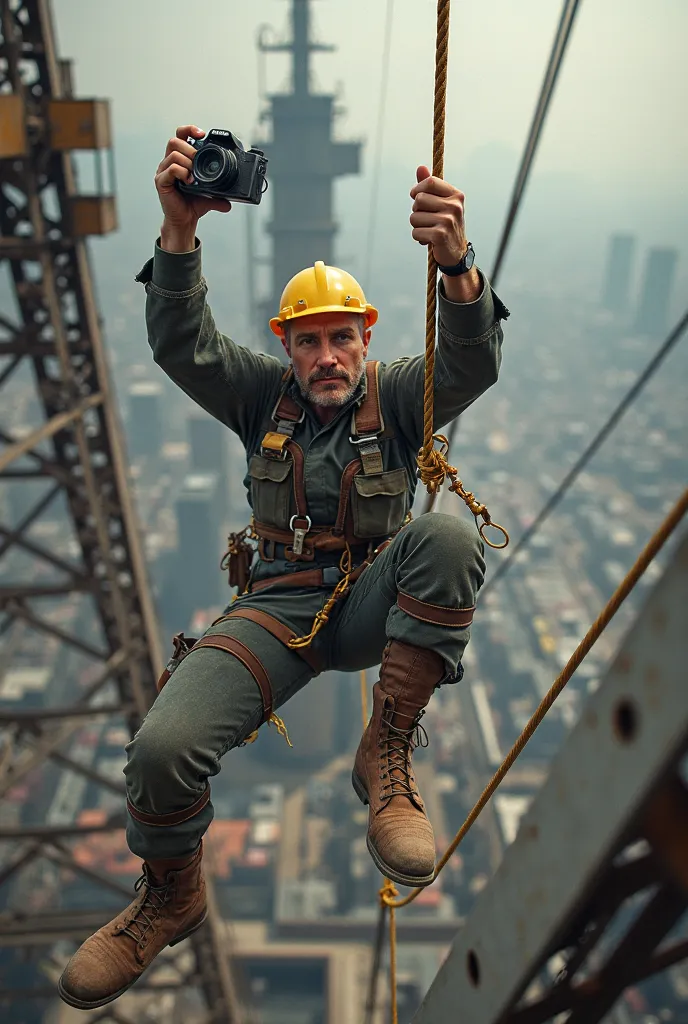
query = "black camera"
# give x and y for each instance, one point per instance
(222, 169)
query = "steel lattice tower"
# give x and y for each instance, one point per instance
(304, 160)
(78, 597)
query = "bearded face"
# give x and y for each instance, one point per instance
(328, 352)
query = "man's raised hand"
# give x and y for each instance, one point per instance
(438, 217)
(181, 212)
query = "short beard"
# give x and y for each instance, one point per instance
(331, 398)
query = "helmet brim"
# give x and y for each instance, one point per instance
(370, 314)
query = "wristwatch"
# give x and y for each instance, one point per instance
(464, 264)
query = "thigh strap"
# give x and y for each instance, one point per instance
(174, 817)
(231, 645)
(276, 629)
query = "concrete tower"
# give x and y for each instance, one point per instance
(617, 277)
(304, 160)
(655, 294)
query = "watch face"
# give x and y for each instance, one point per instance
(469, 258)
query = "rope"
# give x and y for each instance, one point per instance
(561, 39)
(596, 442)
(650, 551)
(433, 467)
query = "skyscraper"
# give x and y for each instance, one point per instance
(199, 547)
(617, 276)
(145, 418)
(207, 442)
(304, 161)
(655, 293)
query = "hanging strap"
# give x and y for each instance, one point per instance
(286, 415)
(367, 423)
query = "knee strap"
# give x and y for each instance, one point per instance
(276, 629)
(434, 613)
(231, 645)
(174, 817)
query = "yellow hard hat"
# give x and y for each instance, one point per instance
(321, 289)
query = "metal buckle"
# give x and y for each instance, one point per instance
(373, 439)
(299, 533)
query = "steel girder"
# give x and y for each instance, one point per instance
(74, 456)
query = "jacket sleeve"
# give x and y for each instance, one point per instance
(467, 361)
(228, 380)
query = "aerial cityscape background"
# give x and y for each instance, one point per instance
(596, 276)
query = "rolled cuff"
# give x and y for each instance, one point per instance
(176, 271)
(469, 322)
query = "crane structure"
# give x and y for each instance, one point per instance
(74, 593)
(592, 895)
(304, 160)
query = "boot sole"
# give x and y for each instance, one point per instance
(414, 881)
(82, 1004)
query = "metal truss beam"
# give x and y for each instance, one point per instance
(52, 358)
(597, 877)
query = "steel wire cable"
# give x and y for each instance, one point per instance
(583, 459)
(556, 59)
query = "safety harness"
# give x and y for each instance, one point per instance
(300, 542)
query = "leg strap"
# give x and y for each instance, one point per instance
(435, 613)
(276, 629)
(175, 817)
(233, 646)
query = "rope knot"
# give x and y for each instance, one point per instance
(387, 893)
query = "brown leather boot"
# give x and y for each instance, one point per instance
(400, 837)
(170, 906)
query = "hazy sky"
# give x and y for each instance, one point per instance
(619, 111)
(614, 155)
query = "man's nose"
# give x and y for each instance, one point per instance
(327, 356)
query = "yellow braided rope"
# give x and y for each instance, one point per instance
(649, 552)
(432, 462)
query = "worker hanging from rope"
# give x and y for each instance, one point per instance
(331, 574)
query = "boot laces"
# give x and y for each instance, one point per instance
(397, 748)
(155, 897)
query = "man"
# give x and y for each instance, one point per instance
(342, 577)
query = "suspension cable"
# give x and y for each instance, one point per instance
(556, 58)
(583, 459)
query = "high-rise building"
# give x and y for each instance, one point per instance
(199, 545)
(145, 418)
(304, 161)
(207, 441)
(655, 293)
(617, 278)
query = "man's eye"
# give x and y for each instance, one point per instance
(342, 336)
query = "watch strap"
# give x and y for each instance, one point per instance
(463, 266)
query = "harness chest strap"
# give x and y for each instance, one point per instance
(367, 424)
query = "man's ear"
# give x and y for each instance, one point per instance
(367, 334)
(285, 344)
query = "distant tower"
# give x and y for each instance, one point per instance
(304, 160)
(618, 273)
(145, 418)
(655, 295)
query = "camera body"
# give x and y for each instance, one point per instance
(222, 169)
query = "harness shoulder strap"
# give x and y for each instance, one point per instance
(367, 423)
(286, 414)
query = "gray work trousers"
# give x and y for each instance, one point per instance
(212, 702)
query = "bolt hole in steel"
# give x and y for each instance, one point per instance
(626, 721)
(473, 967)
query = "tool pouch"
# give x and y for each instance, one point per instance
(237, 560)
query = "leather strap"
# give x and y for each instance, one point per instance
(368, 416)
(278, 629)
(318, 539)
(310, 577)
(434, 613)
(231, 645)
(348, 475)
(175, 817)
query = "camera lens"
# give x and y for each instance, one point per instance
(214, 166)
